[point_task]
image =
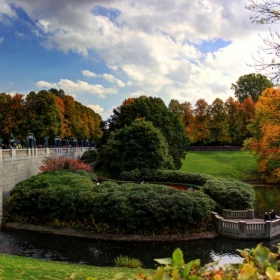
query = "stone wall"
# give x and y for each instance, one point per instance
(17, 165)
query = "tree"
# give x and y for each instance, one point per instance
(219, 127)
(266, 12)
(43, 116)
(265, 131)
(250, 85)
(153, 110)
(139, 145)
(202, 122)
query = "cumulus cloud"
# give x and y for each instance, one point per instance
(78, 87)
(96, 108)
(150, 47)
(108, 77)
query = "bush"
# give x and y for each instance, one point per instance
(157, 175)
(63, 198)
(60, 163)
(90, 156)
(230, 194)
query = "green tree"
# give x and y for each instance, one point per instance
(139, 145)
(251, 85)
(154, 110)
(43, 117)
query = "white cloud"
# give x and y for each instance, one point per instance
(108, 77)
(96, 108)
(150, 47)
(78, 87)
(1, 39)
(88, 73)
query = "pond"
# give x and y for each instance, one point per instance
(103, 253)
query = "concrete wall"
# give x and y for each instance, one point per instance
(17, 165)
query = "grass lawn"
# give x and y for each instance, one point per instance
(241, 165)
(16, 267)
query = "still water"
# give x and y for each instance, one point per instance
(103, 253)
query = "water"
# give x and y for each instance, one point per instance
(102, 253)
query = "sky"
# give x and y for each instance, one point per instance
(102, 52)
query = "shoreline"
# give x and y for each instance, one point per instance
(109, 237)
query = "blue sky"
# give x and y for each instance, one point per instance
(103, 52)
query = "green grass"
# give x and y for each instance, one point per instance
(16, 267)
(240, 165)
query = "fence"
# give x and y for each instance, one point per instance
(215, 148)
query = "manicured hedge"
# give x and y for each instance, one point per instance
(228, 193)
(64, 199)
(157, 175)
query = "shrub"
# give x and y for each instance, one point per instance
(124, 261)
(157, 175)
(63, 198)
(90, 156)
(60, 163)
(230, 194)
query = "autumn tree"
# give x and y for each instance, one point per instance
(235, 121)
(265, 131)
(201, 133)
(219, 126)
(267, 12)
(251, 85)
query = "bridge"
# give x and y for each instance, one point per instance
(242, 225)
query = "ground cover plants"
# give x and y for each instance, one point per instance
(259, 263)
(16, 267)
(239, 165)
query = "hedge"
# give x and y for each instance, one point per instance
(75, 201)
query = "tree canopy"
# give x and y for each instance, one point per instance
(154, 110)
(265, 130)
(47, 114)
(251, 85)
(139, 145)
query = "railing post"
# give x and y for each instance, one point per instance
(251, 214)
(268, 229)
(242, 228)
(227, 213)
(47, 150)
(13, 152)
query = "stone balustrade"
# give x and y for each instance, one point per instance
(242, 225)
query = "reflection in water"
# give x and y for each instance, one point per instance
(267, 198)
(103, 253)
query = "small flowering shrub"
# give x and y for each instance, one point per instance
(60, 163)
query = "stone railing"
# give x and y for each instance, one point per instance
(249, 229)
(40, 151)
